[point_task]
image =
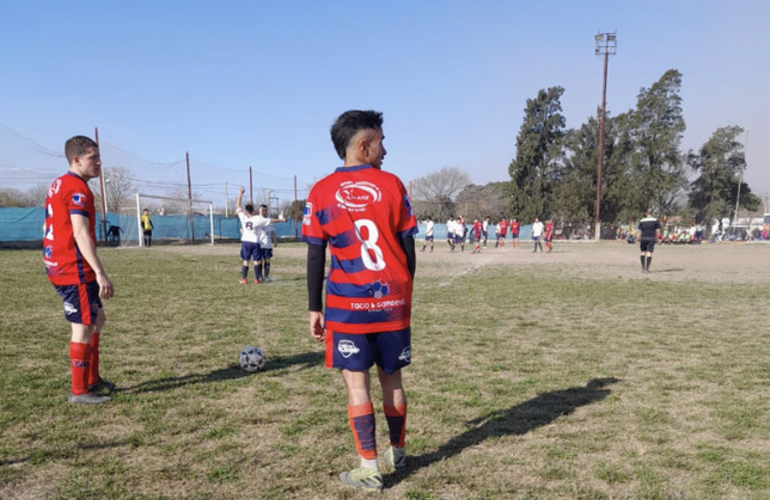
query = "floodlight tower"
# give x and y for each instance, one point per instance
(606, 45)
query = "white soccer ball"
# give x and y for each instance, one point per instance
(252, 359)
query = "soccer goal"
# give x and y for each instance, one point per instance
(176, 218)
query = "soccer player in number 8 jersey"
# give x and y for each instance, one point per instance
(365, 215)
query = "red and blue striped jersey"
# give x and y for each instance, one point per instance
(363, 213)
(64, 264)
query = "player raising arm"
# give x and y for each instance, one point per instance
(365, 215)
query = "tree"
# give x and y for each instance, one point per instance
(434, 193)
(720, 163)
(489, 200)
(120, 189)
(539, 151)
(656, 127)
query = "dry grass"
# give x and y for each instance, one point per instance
(561, 376)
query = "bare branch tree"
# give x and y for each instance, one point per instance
(434, 194)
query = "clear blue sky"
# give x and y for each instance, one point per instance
(239, 83)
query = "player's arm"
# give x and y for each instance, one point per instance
(316, 262)
(411, 256)
(240, 198)
(87, 248)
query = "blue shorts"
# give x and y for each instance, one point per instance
(514, 236)
(250, 250)
(265, 253)
(429, 238)
(458, 238)
(536, 238)
(391, 351)
(81, 302)
(485, 234)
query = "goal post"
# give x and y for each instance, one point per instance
(178, 222)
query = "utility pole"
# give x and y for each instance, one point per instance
(740, 181)
(102, 188)
(189, 195)
(606, 45)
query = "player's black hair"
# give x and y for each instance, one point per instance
(250, 208)
(77, 146)
(262, 206)
(349, 124)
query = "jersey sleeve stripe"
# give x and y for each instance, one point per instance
(409, 232)
(313, 241)
(75, 211)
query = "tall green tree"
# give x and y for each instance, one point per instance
(539, 151)
(719, 164)
(656, 127)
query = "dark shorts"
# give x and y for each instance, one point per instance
(250, 250)
(429, 238)
(647, 246)
(81, 302)
(485, 234)
(514, 236)
(500, 236)
(458, 238)
(391, 351)
(265, 253)
(536, 238)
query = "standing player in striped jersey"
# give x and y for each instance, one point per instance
(548, 235)
(477, 235)
(502, 231)
(74, 269)
(515, 232)
(365, 215)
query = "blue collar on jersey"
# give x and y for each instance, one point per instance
(353, 169)
(70, 172)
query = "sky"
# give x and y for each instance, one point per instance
(241, 84)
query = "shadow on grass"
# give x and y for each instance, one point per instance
(515, 421)
(303, 361)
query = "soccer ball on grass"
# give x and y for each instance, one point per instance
(252, 359)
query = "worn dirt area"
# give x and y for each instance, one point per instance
(709, 262)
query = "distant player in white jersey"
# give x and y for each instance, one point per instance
(266, 240)
(428, 234)
(485, 231)
(251, 225)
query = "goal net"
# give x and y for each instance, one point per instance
(174, 220)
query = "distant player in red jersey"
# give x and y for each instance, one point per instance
(515, 232)
(365, 215)
(502, 231)
(69, 255)
(478, 229)
(548, 235)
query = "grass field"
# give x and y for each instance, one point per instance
(561, 376)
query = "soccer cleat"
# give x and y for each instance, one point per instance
(101, 386)
(267, 280)
(243, 281)
(88, 399)
(395, 457)
(366, 478)
(256, 282)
